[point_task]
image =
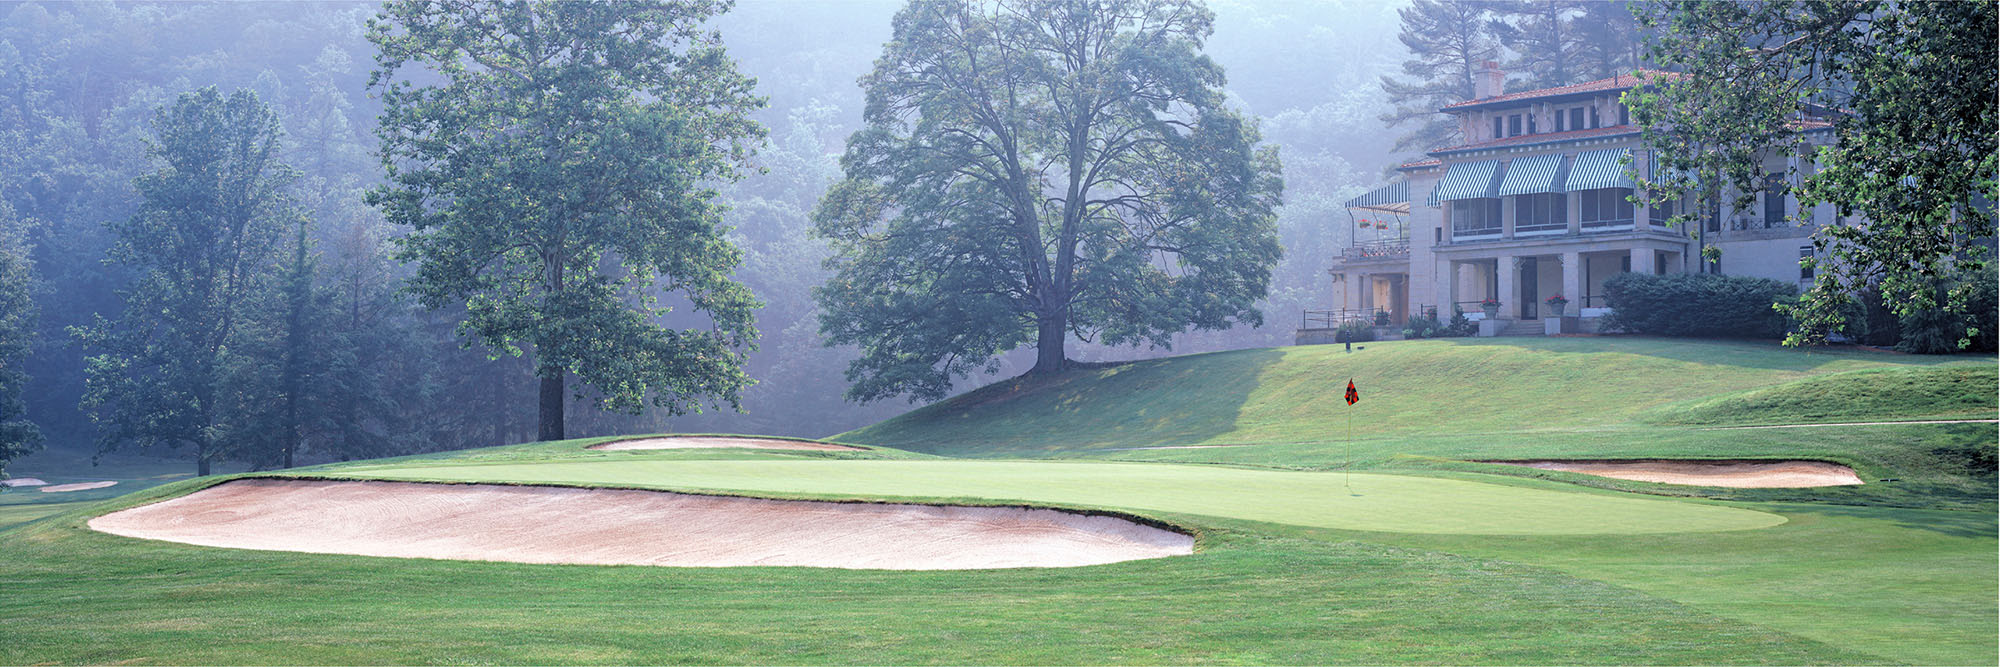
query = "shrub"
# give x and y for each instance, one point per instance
(1355, 331)
(1459, 326)
(1697, 305)
(1424, 326)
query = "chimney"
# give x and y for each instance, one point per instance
(1489, 81)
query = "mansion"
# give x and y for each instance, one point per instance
(1536, 203)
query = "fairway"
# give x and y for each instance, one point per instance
(1377, 502)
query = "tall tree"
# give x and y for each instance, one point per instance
(1032, 171)
(1909, 87)
(18, 436)
(212, 213)
(1612, 42)
(1448, 42)
(1546, 42)
(557, 179)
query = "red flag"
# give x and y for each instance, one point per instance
(1352, 395)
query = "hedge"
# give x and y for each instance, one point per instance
(1697, 305)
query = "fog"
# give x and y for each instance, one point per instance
(79, 82)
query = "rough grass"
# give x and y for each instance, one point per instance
(1880, 394)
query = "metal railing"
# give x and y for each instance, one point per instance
(1334, 319)
(1386, 248)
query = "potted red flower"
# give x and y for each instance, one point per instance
(1556, 304)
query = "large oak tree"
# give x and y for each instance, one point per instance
(1034, 171)
(556, 163)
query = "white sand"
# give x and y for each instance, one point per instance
(1735, 474)
(80, 486)
(22, 481)
(539, 524)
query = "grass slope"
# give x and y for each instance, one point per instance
(1877, 394)
(1408, 389)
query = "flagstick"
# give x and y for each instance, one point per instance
(1349, 453)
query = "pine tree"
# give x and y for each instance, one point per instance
(1449, 41)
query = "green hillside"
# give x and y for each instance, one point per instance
(1416, 390)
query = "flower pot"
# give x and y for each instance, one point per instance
(1556, 309)
(1491, 311)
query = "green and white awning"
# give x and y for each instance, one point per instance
(1533, 175)
(1394, 197)
(1595, 170)
(1469, 180)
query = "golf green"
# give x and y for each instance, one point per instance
(1366, 501)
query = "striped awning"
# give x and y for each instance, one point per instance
(1394, 197)
(1595, 170)
(1533, 175)
(1469, 180)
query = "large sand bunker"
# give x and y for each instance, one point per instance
(711, 442)
(1737, 474)
(544, 524)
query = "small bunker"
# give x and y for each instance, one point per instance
(548, 524)
(1742, 474)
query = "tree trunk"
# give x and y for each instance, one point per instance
(201, 460)
(1049, 340)
(552, 406)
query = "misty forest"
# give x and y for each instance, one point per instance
(260, 235)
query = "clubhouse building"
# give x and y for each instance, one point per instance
(1535, 204)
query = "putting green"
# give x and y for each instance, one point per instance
(1378, 502)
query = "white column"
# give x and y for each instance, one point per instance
(1642, 260)
(1510, 306)
(1572, 282)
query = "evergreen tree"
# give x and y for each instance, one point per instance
(556, 178)
(1611, 41)
(1449, 41)
(1546, 42)
(213, 211)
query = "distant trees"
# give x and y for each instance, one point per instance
(18, 436)
(1546, 42)
(1909, 87)
(1035, 171)
(1448, 41)
(558, 182)
(213, 211)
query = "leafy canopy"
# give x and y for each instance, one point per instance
(556, 164)
(1032, 171)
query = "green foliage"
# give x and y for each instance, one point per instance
(1355, 331)
(213, 212)
(557, 180)
(18, 436)
(1545, 40)
(1697, 304)
(1033, 171)
(1909, 88)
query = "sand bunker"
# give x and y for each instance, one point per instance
(1737, 474)
(707, 442)
(80, 486)
(22, 481)
(540, 524)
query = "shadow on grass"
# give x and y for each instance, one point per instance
(1955, 524)
(1749, 353)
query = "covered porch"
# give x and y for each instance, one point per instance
(1523, 279)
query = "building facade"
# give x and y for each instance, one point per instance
(1539, 202)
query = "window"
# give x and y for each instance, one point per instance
(1659, 263)
(1774, 201)
(1625, 263)
(1496, 127)
(1624, 115)
(1514, 125)
(1593, 118)
(1531, 123)
(1476, 218)
(1605, 208)
(1543, 213)
(1805, 256)
(1576, 118)
(1560, 117)
(1659, 214)
(1715, 216)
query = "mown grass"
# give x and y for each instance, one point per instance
(1251, 597)
(1408, 388)
(1892, 394)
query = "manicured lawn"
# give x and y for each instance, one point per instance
(1364, 501)
(1251, 596)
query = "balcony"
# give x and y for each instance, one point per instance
(1375, 251)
